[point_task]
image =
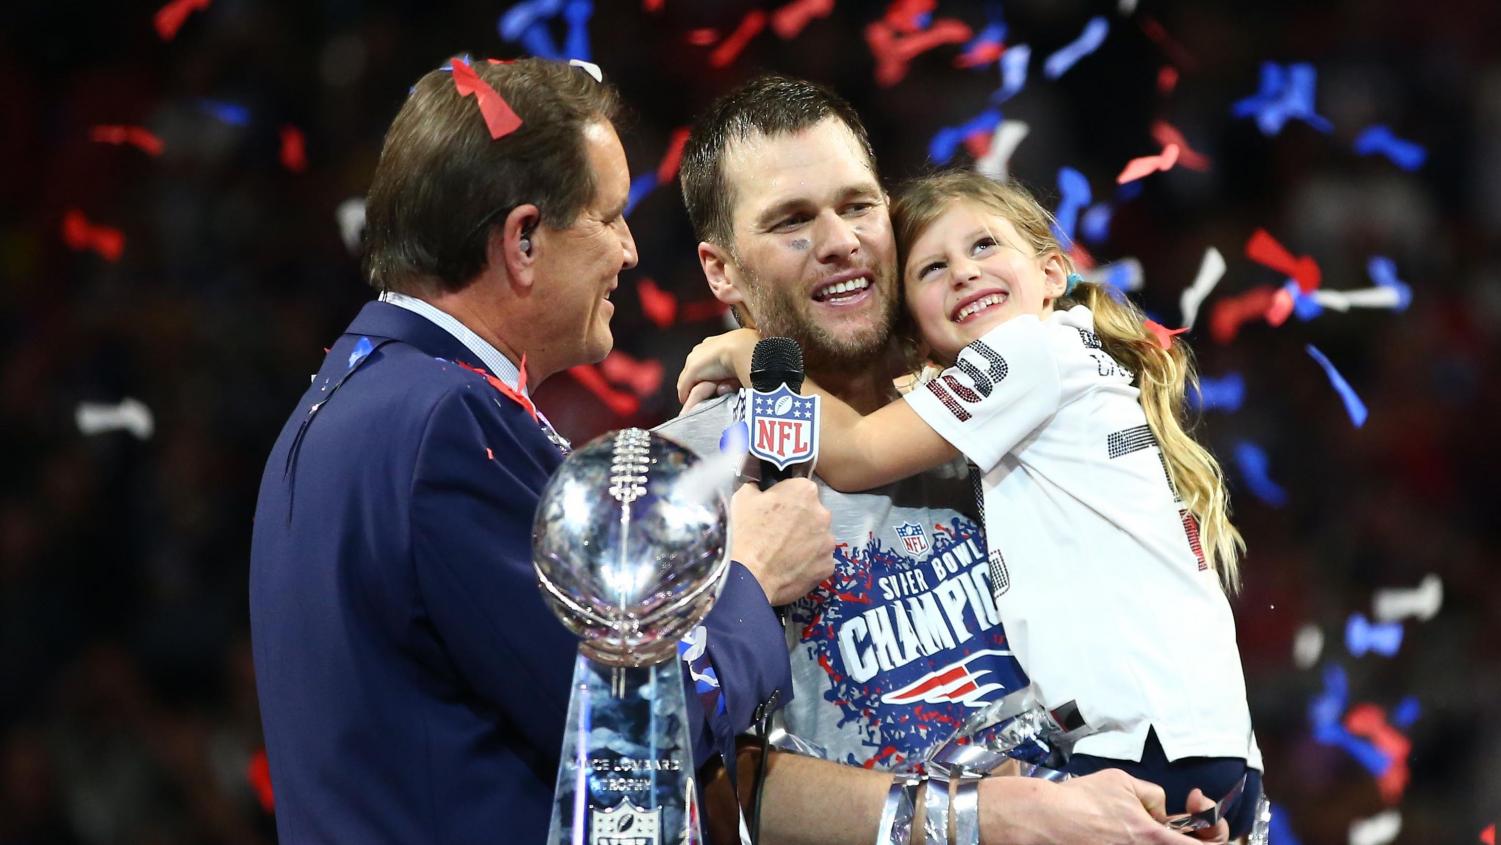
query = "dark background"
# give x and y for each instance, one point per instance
(127, 704)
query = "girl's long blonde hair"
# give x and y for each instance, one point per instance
(1162, 375)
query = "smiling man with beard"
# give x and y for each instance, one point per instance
(904, 641)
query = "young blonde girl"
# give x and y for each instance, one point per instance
(1111, 548)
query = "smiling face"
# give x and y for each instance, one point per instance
(814, 256)
(969, 271)
(582, 263)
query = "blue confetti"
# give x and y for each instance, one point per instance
(1325, 714)
(736, 438)
(1280, 830)
(1253, 463)
(1069, 54)
(1129, 191)
(1406, 712)
(231, 113)
(1285, 93)
(538, 42)
(1013, 72)
(642, 185)
(1304, 306)
(992, 35)
(1076, 196)
(924, 20)
(1226, 393)
(1094, 226)
(577, 14)
(1353, 405)
(362, 347)
(1383, 272)
(1379, 139)
(1328, 706)
(1384, 638)
(525, 15)
(947, 140)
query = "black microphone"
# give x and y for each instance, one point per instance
(778, 361)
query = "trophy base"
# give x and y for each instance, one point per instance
(626, 772)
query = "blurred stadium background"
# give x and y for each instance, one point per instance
(173, 265)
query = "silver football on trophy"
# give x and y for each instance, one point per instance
(631, 545)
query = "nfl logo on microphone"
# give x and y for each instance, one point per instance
(783, 426)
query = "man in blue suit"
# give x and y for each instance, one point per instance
(412, 683)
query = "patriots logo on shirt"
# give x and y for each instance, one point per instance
(914, 538)
(956, 683)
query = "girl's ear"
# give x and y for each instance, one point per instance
(1055, 275)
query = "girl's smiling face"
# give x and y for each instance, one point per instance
(969, 272)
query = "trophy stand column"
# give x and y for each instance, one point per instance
(626, 772)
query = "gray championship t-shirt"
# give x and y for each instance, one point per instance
(894, 651)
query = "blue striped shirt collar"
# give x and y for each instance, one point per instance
(493, 359)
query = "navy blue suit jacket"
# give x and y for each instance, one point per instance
(413, 685)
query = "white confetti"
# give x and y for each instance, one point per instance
(130, 415)
(589, 67)
(1376, 830)
(1211, 270)
(1308, 644)
(1007, 137)
(1422, 602)
(1344, 300)
(351, 217)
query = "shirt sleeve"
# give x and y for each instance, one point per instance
(1001, 389)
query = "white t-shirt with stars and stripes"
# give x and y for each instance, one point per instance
(1096, 564)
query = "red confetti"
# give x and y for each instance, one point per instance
(1080, 256)
(674, 155)
(499, 117)
(1281, 307)
(1165, 133)
(659, 306)
(171, 17)
(1167, 79)
(790, 20)
(1171, 47)
(1138, 168)
(1488, 836)
(751, 25)
(620, 403)
(643, 376)
(708, 309)
(516, 394)
(1163, 334)
(894, 52)
(1369, 721)
(652, 5)
(80, 234)
(1233, 312)
(258, 772)
(1264, 249)
(978, 143)
(293, 149)
(136, 136)
(982, 54)
(703, 37)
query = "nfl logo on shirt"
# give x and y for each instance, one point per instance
(914, 538)
(783, 426)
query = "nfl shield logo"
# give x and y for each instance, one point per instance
(783, 426)
(625, 824)
(914, 538)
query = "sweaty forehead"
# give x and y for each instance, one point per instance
(817, 164)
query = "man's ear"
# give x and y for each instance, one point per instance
(515, 244)
(721, 273)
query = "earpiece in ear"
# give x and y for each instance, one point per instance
(526, 246)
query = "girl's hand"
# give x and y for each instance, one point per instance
(722, 358)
